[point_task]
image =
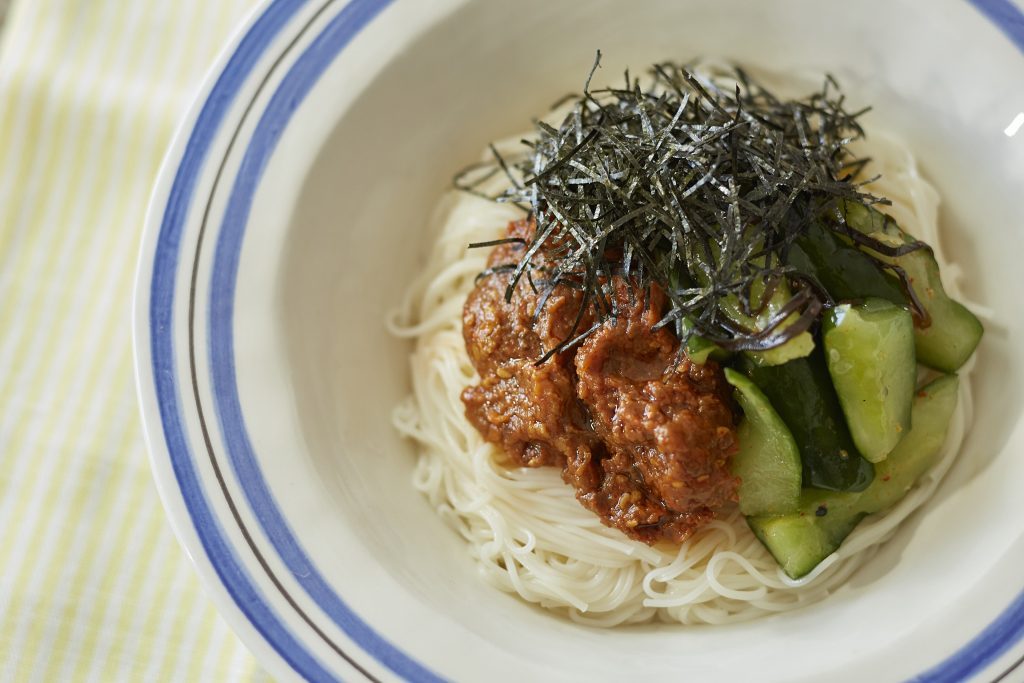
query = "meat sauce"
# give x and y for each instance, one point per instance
(644, 440)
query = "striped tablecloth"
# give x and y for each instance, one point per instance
(93, 584)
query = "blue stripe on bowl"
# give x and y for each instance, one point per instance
(294, 88)
(985, 648)
(222, 96)
(1005, 15)
(1007, 629)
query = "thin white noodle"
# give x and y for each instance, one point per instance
(524, 527)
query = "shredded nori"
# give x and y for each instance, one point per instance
(685, 183)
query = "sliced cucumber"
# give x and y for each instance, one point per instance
(768, 461)
(954, 332)
(845, 272)
(699, 349)
(801, 392)
(869, 349)
(917, 451)
(801, 540)
(797, 347)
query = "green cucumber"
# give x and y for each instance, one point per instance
(917, 451)
(799, 346)
(800, 541)
(801, 392)
(844, 271)
(869, 349)
(768, 461)
(699, 349)
(953, 332)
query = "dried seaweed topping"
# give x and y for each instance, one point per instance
(695, 184)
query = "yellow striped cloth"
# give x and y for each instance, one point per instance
(93, 584)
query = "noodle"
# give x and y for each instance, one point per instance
(523, 526)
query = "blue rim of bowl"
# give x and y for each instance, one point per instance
(339, 31)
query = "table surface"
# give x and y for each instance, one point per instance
(93, 584)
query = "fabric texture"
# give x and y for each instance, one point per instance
(93, 584)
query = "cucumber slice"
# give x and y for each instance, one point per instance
(801, 392)
(869, 349)
(797, 347)
(954, 332)
(846, 272)
(918, 450)
(799, 541)
(699, 349)
(768, 461)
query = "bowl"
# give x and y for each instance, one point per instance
(291, 213)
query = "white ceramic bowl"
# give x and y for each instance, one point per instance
(291, 213)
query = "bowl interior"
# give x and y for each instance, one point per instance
(355, 180)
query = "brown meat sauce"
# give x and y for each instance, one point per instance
(645, 441)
